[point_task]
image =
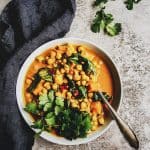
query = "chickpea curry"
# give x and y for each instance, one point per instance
(61, 91)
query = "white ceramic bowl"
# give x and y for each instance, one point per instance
(21, 78)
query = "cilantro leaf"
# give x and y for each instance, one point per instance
(43, 99)
(34, 83)
(58, 109)
(82, 92)
(47, 107)
(59, 101)
(50, 121)
(99, 2)
(44, 73)
(31, 108)
(113, 29)
(73, 58)
(71, 123)
(130, 3)
(37, 124)
(104, 21)
(51, 96)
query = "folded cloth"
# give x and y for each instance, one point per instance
(24, 26)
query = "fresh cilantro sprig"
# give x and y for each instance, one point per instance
(99, 2)
(105, 22)
(130, 3)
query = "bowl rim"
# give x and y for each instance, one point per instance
(20, 81)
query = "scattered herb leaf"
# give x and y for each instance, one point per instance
(99, 2)
(130, 3)
(105, 21)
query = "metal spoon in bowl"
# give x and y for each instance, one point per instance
(125, 129)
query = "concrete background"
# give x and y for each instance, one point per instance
(131, 52)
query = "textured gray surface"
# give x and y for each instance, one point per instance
(131, 53)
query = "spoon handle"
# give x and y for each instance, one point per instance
(125, 129)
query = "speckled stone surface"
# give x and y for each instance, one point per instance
(131, 53)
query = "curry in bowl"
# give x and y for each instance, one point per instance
(61, 91)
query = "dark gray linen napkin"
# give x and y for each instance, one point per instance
(24, 26)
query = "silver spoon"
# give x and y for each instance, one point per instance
(125, 129)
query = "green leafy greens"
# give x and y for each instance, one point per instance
(31, 108)
(130, 3)
(87, 65)
(82, 91)
(97, 96)
(56, 113)
(72, 123)
(105, 22)
(43, 73)
(99, 2)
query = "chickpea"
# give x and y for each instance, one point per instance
(90, 95)
(95, 123)
(82, 72)
(44, 90)
(86, 100)
(69, 76)
(28, 81)
(72, 100)
(54, 86)
(83, 105)
(78, 82)
(50, 66)
(64, 60)
(57, 72)
(101, 120)
(64, 93)
(81, 48)
(83, 77)
(62, 70)
(47, 85)
(40, 58)
(68, 53)
(74, 105)
(80, 100)
(69, 95)
(65, 81)
(79, 67)
(55, 65)
(46, 57)
(94, 128)
(77, 77)
(58, 94)
(94, 118)
(59, 79)
(87, 78)
(70, 46)
(28, 95)
(58, 55)
(53, 54)
(50, 61)
(83, 82)
(66, 68)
